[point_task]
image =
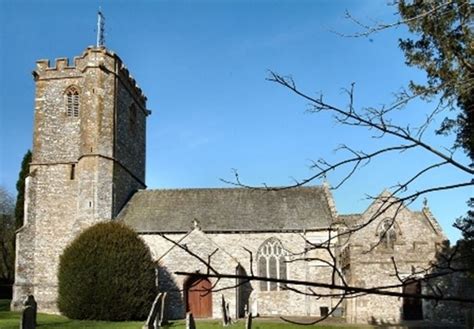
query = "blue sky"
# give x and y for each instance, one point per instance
(203, 66)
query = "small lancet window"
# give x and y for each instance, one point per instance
(271, 260)
(72, 172)
(72, 102)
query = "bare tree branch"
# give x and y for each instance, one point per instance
(349, 289)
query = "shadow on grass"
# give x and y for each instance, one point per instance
(4, 305)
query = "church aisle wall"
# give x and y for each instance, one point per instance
(231, 246)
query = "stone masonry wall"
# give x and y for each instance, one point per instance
(371, 262)
(131, 132)
(52, 190)
(231, 253)
(77, 177)
(129, 147)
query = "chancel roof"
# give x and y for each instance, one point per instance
(228, 209)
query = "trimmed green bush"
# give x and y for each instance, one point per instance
(106, 273)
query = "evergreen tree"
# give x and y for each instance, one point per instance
(7, 236)
(20, 187)
(106, 273)
(445, 51)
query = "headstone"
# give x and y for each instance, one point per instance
(163, 316)
(190, 324)
(30, 301)
(151, 321)
(229, 319)
(248, 321)
(224, 312)
(28, 318)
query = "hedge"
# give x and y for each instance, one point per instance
(106, 273)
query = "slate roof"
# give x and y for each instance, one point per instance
(349, 219)
(228, 209)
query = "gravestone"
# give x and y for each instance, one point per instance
(28, 318)
(190, 324)
(226, 320)
(30, 301)
(224, 312)
(151, 321)
(248, 321)
(229, 319)
(163, 320)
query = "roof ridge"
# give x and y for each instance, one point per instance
(313, 187)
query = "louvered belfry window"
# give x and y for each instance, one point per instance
(72, 102)
(272, 264)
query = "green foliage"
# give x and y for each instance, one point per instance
(106, 273)
(466, 223)
(445, 51)
(7, 237)
(20, 187)
(466, 246)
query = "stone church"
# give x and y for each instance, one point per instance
(88, 166)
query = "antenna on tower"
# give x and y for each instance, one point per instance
(100, 29)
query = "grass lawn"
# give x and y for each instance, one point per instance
(11, 320)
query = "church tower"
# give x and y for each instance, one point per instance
(88, 160)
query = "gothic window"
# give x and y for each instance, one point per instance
(72, 102)
(387, 233)
(272, 264)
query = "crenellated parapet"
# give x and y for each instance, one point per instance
(92, 58)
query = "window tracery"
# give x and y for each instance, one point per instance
(72, 102)
(271, 260)
(387, 232)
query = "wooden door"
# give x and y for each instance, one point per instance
(412, 307)
(199, 298)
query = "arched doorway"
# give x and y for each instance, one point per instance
(198, 296)
(412, 307)
(242, 293)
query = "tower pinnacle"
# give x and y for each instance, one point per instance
(100, 29)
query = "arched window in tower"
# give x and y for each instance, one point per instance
(271, 261)
(387, 233)
(72, 102)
